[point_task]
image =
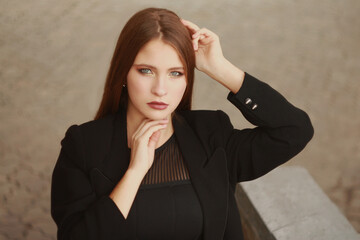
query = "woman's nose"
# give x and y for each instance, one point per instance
(159, 87)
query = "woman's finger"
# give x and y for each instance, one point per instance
(154, 138)
(204, 36)
(148, 135)
(192, 26)
(147, 124)
(204, 31)
(141, 126)
(196, 43)
(197, 33)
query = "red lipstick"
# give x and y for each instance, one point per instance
(158, 105)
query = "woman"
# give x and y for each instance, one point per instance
(148, 167)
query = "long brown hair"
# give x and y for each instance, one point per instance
(143, 26)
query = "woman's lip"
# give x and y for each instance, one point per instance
(158, 105)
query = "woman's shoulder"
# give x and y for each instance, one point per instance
(94, 136)
(98, 124)
(95, 128)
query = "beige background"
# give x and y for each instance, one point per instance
(54, 57)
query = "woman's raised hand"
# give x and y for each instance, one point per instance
(210, 59)
(143, 143)
(208, 52)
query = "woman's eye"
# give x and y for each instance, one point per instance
(144, 70)
(177, 74)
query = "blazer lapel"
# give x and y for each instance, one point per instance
(209, 177)
(117, 161)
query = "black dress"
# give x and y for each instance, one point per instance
(166, 203)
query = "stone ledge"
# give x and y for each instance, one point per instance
(288, 204)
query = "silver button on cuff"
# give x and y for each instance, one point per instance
(248, 101)
(254, 106)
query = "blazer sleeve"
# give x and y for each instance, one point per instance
(78, 213)
(282, 131)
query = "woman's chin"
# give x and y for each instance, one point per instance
(158, 115)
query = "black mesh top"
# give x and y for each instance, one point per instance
(167, 206)
(168, 165)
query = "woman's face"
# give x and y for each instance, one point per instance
(156, 81)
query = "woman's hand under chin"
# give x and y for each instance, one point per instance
(143, 144)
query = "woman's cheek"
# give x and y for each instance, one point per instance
(138, 86)
(180, 91)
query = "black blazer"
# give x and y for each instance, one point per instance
(94, 157)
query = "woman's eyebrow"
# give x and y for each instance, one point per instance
(150, 66)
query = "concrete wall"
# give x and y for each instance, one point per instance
(288, 204)
(54, 57)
